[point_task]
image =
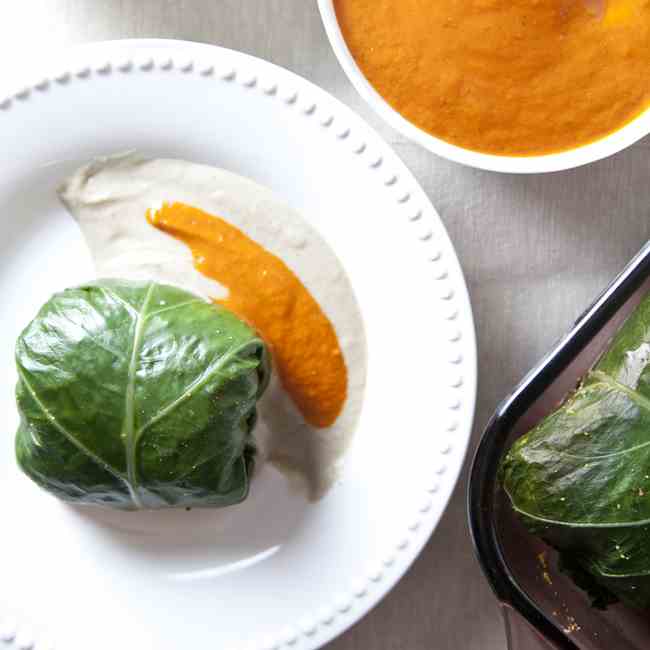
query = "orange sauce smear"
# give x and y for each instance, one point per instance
(267, 294)
(506, 77)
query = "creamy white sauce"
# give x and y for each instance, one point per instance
(109, 198)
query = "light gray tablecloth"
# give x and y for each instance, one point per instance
(535, 251)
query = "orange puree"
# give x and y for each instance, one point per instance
(509, 77)
(268, 295)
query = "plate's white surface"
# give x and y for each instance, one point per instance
(275, 571)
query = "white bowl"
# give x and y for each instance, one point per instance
(607, 146)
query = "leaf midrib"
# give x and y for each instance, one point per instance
(128, 426)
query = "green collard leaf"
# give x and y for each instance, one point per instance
(581, 478)
(138, 395)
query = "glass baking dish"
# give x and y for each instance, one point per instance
(542, 608)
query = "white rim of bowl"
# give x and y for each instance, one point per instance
(607, 146)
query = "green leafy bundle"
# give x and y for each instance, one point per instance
(138, 395)
(581, 478)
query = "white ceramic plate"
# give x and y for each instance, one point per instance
(276, 570)
(608, 146)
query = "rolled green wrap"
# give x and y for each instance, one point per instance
(581, 478)
(138, 395)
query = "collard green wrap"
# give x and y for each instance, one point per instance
(138, 395)
(581, 478)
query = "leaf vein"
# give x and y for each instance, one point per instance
(59, 427)
(579, 524)
(634, 395)
(174, 307)
(98, 342)
(197, 384)
(128, 306)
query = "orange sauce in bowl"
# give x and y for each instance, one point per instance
(506, 77)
